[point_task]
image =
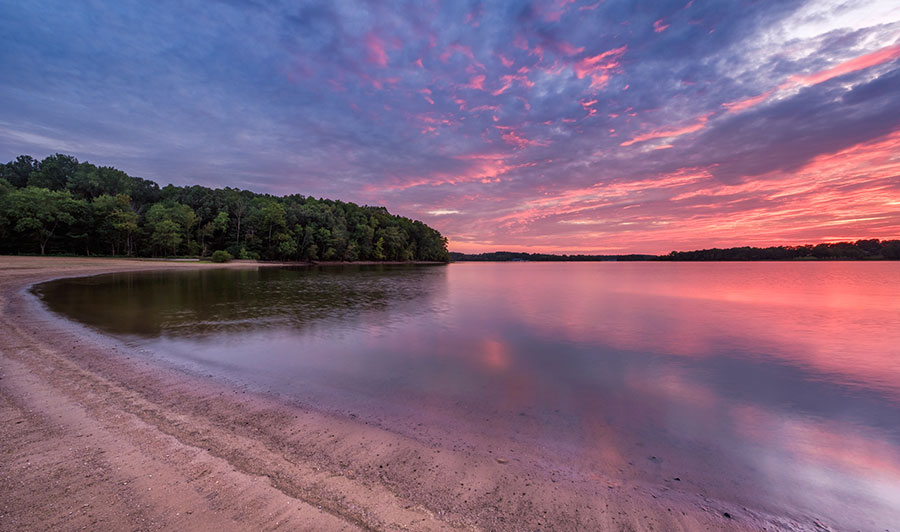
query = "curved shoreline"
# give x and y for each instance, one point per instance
(94, 439)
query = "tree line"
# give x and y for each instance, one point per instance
(871, 249)
(521, 256)
(62, 206)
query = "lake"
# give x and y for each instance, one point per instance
(772, 385)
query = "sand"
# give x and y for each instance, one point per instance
(94, 437)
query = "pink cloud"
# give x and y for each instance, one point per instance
(477, 168)
(740, 105)
(477, 82)
(697, 125)
(379, 83)
(511, 135)
(878, 57)
(461, 49)
(510, 78)
(888, 53)
(507, 83)
(569, 49)
(484, 108)
(659, 26)
(555, 10)
(376, 53)
(598, 67)
(603, 194)
(430, 119)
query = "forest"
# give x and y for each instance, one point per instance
(59, 205)
(871, 249)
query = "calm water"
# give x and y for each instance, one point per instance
(775, 385)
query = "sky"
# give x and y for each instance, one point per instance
(568, 126)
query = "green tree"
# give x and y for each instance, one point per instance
(167, 236)
(310, 251)
(169, 224)
(352, 252)
(891, 249)
(18, 171)
(364, 235)
(116, 221)
(271, 218)
(237, 206)
(53, 172)
(39, 212)
(287, 246)
(216, 226)
(89, 181)
(220, 222)
(6, 237)
(378, 251)
(393, 243)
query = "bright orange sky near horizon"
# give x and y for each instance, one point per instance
(837, 197)
(560, 126)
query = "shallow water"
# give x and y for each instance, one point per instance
(772, 385)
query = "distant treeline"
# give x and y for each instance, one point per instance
(872, 249)
(510, 256)
(62, 206)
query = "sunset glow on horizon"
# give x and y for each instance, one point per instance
(565, 126)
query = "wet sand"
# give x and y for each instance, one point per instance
(95, 437)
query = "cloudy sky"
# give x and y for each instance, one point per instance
(566, 125)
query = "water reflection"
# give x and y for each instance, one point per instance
(204, 303)
(780, 379)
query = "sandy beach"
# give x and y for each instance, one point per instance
(95, 437)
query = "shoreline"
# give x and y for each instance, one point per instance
(230, 263)
(96, 436)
